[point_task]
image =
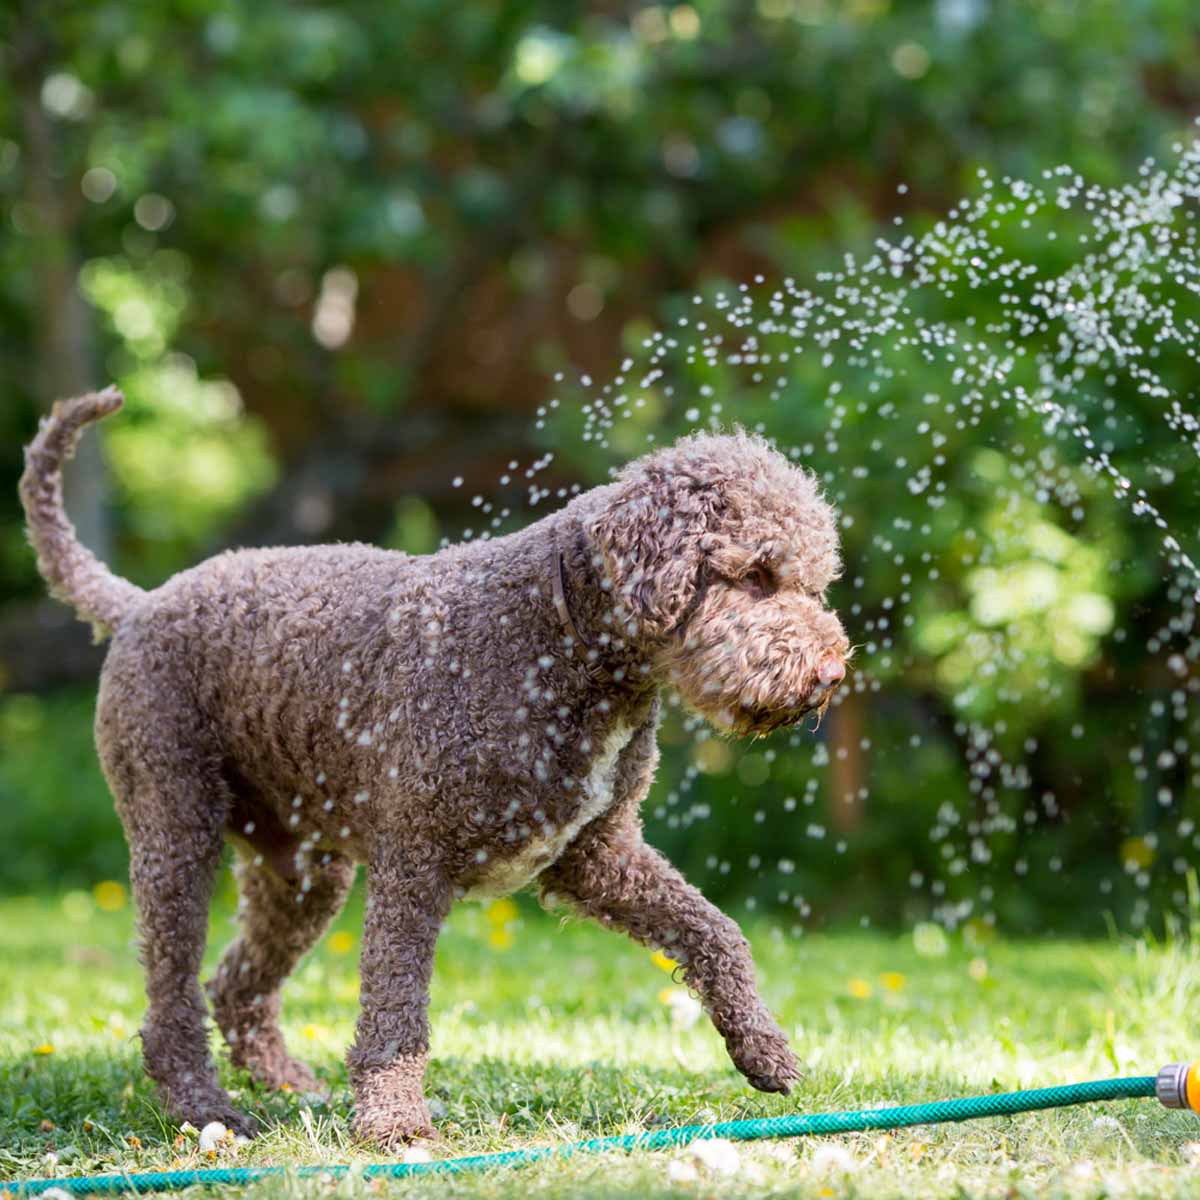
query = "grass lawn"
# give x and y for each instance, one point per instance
(545, 1034)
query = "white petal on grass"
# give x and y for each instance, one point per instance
(212, 1135)
(718, 1155)
(832, 1160)
(679, 1170)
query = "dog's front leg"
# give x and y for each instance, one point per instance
(407, 902)
(611, 875)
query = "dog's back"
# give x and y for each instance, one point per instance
(269, 650)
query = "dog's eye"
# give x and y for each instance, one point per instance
(759, 580)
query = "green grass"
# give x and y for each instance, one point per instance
(563, 1035)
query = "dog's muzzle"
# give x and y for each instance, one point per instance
(830, 673)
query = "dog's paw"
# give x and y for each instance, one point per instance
(390, 1108)
(396, 1126)
(766, 1060)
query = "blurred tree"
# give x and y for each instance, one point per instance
(64, 360)
(330, 250)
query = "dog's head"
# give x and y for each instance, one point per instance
(718, 552)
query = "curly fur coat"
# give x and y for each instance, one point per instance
(464, 724)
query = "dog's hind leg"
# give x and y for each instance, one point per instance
(172, 803)
(281, 919)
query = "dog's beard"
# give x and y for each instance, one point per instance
(767, 720)
(760, 721)
(740, 716)
(747, 678)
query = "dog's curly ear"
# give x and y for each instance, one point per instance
(652, 538)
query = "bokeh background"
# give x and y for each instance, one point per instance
(336, 253)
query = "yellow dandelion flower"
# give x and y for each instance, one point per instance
(341, 942)
(977, 968)
(892, 981)
(663, 962)
(311, 1032)
(860, 989)
(502, 911)
(500, 938)
(44, 1048)
(110, 895)
(1138, 851)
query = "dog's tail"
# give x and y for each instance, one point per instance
(74, 573)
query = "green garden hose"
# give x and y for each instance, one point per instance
(1177, 1086)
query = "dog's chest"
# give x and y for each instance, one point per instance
(509, 872)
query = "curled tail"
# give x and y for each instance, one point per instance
(74, 573)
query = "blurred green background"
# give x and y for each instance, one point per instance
(334, 254)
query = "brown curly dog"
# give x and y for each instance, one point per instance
(465, 724)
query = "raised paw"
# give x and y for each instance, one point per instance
(765, 1058)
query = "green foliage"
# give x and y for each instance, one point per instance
(185, 458)
(280, 215)
(55, 810)
(415, 529)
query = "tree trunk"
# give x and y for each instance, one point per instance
(66, 342)
(845, 746)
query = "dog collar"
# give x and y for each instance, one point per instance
(590, 658)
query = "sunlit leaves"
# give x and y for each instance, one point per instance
(185, 458)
